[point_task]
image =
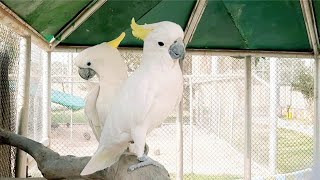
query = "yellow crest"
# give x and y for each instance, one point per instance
(115, 43)
(139, 31)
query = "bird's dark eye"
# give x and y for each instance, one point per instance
(161, 43)
(88, 63)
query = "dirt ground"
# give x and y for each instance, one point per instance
(211, 155)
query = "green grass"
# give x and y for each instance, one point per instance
(295, 151)
(65, 116)
(207, 177)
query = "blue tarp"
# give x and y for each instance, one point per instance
(68, 100)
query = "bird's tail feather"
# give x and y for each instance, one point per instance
(102, 159)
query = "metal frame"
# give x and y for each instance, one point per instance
(248, 118)
(23, 104)
(273, 117)
(14, 22)
(194, 20)
(46, 103)
(73, 25)
(189, 31)
(309, 18)
(210, 52)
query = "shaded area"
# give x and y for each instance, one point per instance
(46, 16)
(9, 50)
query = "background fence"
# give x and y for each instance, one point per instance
(213, 120)
(9, 70)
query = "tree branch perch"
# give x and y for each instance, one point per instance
(54, 166)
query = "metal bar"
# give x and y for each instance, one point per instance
(14, 22)
(46, 103)
(210, 52)
(23, 102)
(316, 131)
(191, 27)
(273, 116)
(306, 6)
(79, 20)
(71, 92)
(248, 119)
(191, 120)
(194, 20)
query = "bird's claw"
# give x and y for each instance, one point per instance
(144, 161)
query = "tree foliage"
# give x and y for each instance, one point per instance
(304, 83)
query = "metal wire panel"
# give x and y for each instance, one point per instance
(9, 59)
(213, 117)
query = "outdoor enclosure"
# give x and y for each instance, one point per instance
(250, 107)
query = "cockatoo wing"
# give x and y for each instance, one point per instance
(91, 110)
(131, 106)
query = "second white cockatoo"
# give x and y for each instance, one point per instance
(105, 61)
(146, 98)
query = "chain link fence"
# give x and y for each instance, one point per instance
(213, 113)
(9, 70)
(213, 120)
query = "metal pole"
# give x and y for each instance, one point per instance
(219, 115)
(179, 124)
(248, 119)
(273, 116)
(191, 120)
(316, 153)
(82, 17)
(209, 52)
(311, 26)
(23, 100)
(232, 116)
(46, 103)
(71, 90)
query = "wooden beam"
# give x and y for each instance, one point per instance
(81, 18)
(14, 22)
(194, 20)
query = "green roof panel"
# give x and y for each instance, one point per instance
(264, 25)
(46, 16)
(115, 16)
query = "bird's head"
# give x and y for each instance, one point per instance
(164, 37)
(101, 59)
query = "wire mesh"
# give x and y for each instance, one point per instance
(213, 117)
(70, 131)
(9, 60)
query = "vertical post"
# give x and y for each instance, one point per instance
(248, 119)
(46, 103)
(23, 102)
(191, 119)
(71, 91)
(316, 153)
(273, 116)
(214, 65)
(179, 125)
(232, 117)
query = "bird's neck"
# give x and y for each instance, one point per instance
(159, 61)
(107, 83)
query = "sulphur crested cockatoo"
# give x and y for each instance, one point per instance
(105, 61)
(146, 98)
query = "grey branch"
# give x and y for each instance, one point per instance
(54, 166)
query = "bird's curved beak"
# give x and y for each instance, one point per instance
(177, 50)
(86, 73)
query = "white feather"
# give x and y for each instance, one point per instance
(146, 98)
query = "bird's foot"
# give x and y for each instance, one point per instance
(144, 161)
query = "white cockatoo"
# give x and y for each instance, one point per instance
(105, 61)
(146, 98)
